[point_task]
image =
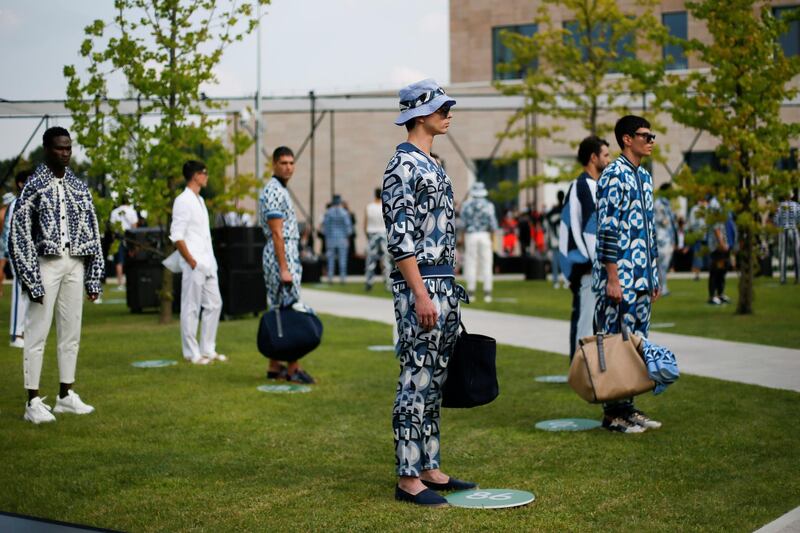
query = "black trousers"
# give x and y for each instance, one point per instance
(717, 269)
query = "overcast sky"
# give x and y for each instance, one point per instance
(329, 46)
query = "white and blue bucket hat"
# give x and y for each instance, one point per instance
(420, 99)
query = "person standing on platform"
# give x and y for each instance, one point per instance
(666, 236)
(19, 299)
(581, 239)
(283, 270)
(337, 226)
(122, 219)
(376, 242)
(480, 225)
(721, 243)
(625, 269)
(191, 233)
(419, 215)
(553, 220)
(697, 228)
(787, 218)
(55, 248)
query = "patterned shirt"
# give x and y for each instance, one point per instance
(478, 215)
(275, 202)
(39, 230)
(418, 209)
(337, 226)
(788, 215)
(6, 230)
(666, 228)
(625, 227)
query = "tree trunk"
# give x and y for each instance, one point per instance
(165, 297)
(746, 266)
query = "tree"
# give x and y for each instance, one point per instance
(565, 70)
(737, 100)
(165, 50)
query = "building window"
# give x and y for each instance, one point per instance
(790, 41)
(788, 163)
(502, 54)
(677, 26)
(491, 175)
(600, 35)
(697, 161)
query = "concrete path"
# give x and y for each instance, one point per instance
(768, 366)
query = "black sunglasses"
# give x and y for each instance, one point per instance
(649, 137)
(444, 111)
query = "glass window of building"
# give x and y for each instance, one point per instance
(601, 35)
(502, 54)
(677, 25)
(790, 41)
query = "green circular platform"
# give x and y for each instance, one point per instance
(551, 379)
(568, 424)
(490, 498)
(381, 348)
(156, 363)
(284, 389)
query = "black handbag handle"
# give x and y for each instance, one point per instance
(601, 355)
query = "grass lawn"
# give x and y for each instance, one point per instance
(199, 448)
(776, 320)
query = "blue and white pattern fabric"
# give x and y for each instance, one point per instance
(275, 203)
(36, 229)
(418, 211)
(577, 229)
(423, 370)
(420, 99)
(478, 215)
(666, 227)
(417, 197)
(6, 230)
(377, 250)
(625, 229)
(337, 226)
(787, 216)
(662, 366)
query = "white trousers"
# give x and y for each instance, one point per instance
(19, 310)
(478, 259)
(62, 278)
(587, 304)
(199, 291)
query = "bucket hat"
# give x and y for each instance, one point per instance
(421, 99)
(478, 190)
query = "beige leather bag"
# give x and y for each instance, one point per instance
(609, 367)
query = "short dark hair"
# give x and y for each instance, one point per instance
(628, 125)
(192, 167)
(590, 145)
(281, 151)
(52, 133)
(377, 192)
(21, 177)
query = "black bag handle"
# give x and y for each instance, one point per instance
(601, 356)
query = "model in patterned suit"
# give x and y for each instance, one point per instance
(54, 246)
(625, 270)
(282, 267)
(419, 216)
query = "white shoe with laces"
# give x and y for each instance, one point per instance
(72, 403)
(216, 357)
(37, 411)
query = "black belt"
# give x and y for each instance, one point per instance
(429, 271)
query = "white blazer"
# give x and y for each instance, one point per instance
(190, 224)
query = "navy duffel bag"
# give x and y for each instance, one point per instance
(289, 332)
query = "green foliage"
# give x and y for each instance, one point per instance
(737, 100)
(165, 50)
(573, 61)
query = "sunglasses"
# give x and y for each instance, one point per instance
(649, 137)
(444, 111)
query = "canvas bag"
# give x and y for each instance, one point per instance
(471, 372)
(609, 367)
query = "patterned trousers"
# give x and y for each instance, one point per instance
(277, 293)
(423, 369)
(377, 251)
(635, 308)
(789, 243)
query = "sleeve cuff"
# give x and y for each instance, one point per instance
(272, 216)
(399, 256)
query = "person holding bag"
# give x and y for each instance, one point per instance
(419, 215)
(625, 270)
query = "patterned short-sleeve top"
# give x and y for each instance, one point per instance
(418, 211)
(275, 202)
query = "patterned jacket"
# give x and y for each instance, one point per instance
(337, 226)
(418, 209)
(36, 228)
(788, 215)
(666, 227)
(625, 228)
(275, 202)
(478, 215)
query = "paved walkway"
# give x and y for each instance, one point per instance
(769, 366)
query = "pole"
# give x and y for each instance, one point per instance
(333, 158)
(313, 99)
(259, 169)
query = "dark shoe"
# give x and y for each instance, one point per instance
(280, 374)
(427, 498)
(621, 424)
(452, 484)
(301, 376)
(638, 417)
(724, 299)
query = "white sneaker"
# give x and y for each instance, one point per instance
(201, 360)
(18, 342)
(72, 404)
(216, 357)
(487, 298)
(37, 411)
